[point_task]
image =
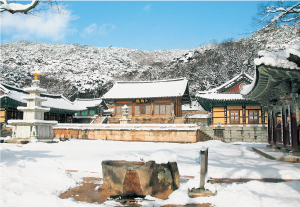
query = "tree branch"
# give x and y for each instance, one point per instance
(16, 7)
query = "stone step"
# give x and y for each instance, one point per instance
(99, 120)
(179, 120)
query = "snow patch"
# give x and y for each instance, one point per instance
(163, 156)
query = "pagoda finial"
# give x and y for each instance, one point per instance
(36, 74)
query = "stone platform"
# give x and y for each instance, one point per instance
(179, 133)
(276, 154)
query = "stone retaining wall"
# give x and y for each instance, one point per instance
(144, 120)
(179, 135)
(237, 134)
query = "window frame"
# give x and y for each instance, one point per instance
(234, 119)
(253, 121)
(162, 107)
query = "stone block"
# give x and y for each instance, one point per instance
(158, 180)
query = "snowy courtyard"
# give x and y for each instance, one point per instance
(35, 174)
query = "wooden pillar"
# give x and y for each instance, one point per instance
(244, 115)
(225, 114)
(273, 128)
(262, 116)
(293, 133)
(283, 119)
(270, 127)
(5, 115)
(212, 116)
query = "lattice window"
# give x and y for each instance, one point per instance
(137, 110)
(253, 117)
(234, 116)
(118, 110)
(162, 109)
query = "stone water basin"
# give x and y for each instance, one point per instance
(138, 179)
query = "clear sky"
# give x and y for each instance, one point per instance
(145, 25)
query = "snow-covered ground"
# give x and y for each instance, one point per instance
(35, 174)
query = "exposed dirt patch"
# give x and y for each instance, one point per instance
(92, 190)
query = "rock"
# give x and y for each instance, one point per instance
(136, 179)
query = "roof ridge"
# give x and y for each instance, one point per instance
(154, 81)
(87, 99)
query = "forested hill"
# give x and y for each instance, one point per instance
(85, 71)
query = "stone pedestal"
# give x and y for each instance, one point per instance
(33, 126)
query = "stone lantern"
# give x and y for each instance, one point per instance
(33, 126)
(125, 119)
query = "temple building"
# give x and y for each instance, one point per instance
(94, 108)
(227, 105)
(233, 117)
(61, 109)
(149, 101)
(277, 86)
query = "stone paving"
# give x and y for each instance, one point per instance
(276, 154)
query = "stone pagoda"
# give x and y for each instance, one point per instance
(33, 127)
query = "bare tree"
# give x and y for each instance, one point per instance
(34, 6)
(278, 12)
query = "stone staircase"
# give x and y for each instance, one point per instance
(203, 136)
(101, 120)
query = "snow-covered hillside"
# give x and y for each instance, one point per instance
(85, 67)
(87, 71)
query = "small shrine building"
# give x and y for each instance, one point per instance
(277, 87)
(227, 105)
(233, 117)
(149, 101)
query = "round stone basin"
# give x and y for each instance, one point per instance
(138, 179)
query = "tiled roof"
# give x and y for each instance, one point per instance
(53, 101)
(217, 93)
(88, 102)
(148, 89)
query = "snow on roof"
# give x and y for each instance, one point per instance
(147, 89)
(62, 103)
(53, 101)
(14, 94)
(221, 96)
(248, 88)
(194, 106)
(228, 83)
(203, 116)
(216, 95)
(88, 102)
(280, 58)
